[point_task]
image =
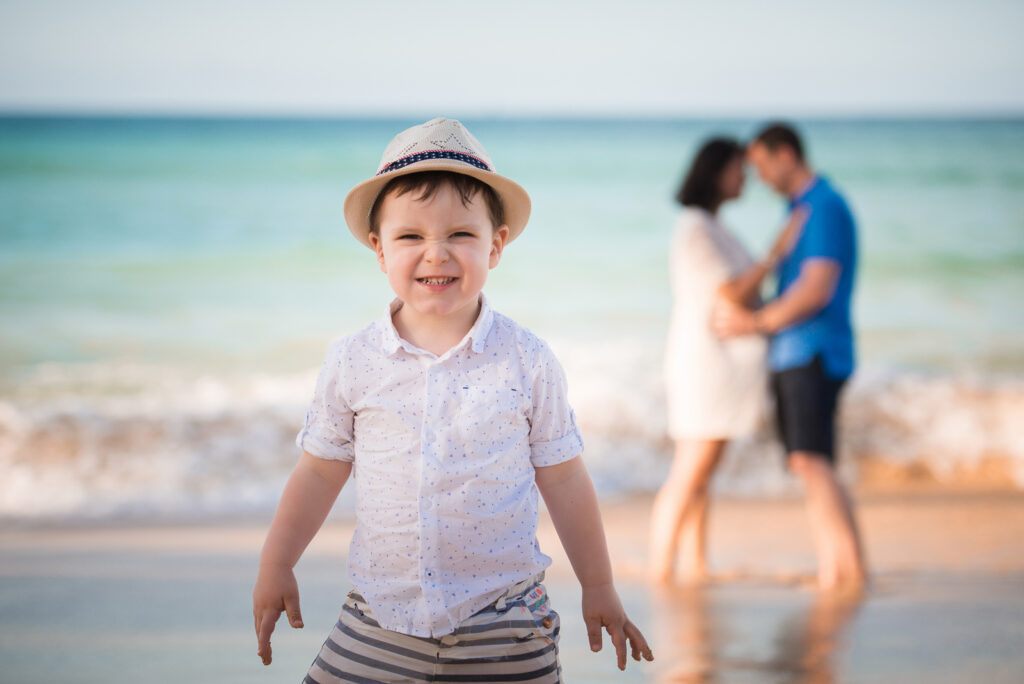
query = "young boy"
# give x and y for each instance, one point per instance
(451, 417)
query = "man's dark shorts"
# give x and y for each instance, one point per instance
(805, 408)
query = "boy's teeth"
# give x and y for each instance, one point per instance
(437, 281)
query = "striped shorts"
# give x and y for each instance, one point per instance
(515, 639)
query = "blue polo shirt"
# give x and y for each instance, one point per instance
(829, 233)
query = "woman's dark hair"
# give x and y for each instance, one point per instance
(700, 187)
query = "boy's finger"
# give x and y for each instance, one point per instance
(639, 643)
(594, 633)
(291, 607)
(619, 640)
(267, 621)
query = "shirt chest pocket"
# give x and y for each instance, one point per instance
(490, 417)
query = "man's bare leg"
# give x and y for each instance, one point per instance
(836, 539)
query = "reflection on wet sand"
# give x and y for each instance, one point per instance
(689, 635)
(727, 634)
(808, 641)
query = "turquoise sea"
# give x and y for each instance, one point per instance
(168, 287)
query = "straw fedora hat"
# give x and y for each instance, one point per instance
(437, 145)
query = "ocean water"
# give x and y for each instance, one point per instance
(168, 288)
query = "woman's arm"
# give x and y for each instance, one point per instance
(745, 289)
(572, 503)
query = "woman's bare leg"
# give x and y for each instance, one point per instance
(691, 558)
(681, 508)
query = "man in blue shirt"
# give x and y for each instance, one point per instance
(811, 352)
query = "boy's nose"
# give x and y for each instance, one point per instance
(437, 252)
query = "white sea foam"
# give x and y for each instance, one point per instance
(101, 441)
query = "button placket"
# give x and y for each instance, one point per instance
(429, 523)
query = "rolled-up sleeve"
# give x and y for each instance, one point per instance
(554, 435)
(327, 432)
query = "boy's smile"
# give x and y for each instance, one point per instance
(436, 284)
(436, 253)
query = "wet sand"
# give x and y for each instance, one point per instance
(170, 603)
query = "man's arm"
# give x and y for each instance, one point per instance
(809, 294)
(572, 503)
(307, 499)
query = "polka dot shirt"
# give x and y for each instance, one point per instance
(444, 451)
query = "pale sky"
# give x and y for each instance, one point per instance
(644, 57)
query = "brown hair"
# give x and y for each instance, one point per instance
(428, 182)
(776, 135)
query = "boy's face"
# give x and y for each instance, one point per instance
(437, 251)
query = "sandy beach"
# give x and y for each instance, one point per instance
(170, 603)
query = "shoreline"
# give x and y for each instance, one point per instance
(173, 599)
(894, 521)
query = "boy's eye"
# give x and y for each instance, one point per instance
(409, 236)
(463, 233)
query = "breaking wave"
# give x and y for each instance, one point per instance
(106, 441)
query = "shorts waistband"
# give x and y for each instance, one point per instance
(517, 590)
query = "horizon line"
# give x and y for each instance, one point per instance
(583, 117)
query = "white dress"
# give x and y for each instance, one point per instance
(716, 389)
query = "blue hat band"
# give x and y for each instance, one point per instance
(434, 154)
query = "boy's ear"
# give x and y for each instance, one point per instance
(498, 244)
(378, 247)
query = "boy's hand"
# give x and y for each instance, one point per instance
(602, 608)
(276, 591)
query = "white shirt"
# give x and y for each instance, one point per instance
(444, 451)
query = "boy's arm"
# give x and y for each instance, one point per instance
(307, 499)
(572, 503)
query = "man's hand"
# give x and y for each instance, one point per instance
(729, 319)
(602, 608)
(276, 592)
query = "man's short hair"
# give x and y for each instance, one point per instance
(776, 135)
(428, 182)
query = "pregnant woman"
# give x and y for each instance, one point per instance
(716, 389)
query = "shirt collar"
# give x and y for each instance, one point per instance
(476, 336)
(391, 342)
(802, 194)
(478, 333)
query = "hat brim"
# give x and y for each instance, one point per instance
(514, 199)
